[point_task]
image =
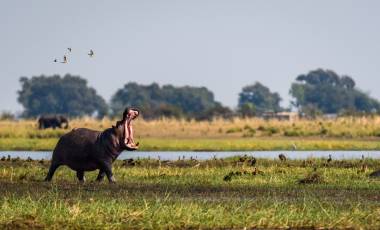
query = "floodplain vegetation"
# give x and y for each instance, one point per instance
(234, 193)
(345, 133)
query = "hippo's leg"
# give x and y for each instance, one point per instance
(51, 172)
(80, 176)
(100, 175)
(107, 168)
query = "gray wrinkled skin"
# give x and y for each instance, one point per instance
(87, 150)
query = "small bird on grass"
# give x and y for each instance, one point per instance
(238, 173)
(16, 159)
(329, 159)
(363, 158)
(252, 161)
(23, 176)
(128, 162)
(282, 157)
(243, 158)
(227, 177)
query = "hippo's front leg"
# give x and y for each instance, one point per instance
(106, 167)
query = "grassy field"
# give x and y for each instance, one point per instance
(349, 133)
(181, 194)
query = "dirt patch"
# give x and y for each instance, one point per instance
(25, 222)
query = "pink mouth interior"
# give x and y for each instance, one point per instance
(126, 133)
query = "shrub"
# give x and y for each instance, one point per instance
(234, 130)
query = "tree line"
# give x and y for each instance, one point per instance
(317, 92)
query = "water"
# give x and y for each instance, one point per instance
(174, 155)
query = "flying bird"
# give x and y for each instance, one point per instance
(91, 53)
(69, 49)
(55, 60)
(64, 59)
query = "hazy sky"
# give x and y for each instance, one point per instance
(223, 45)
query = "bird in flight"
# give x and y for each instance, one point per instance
(55, 60)
(64, 59)
(69, 49)
(91, 53)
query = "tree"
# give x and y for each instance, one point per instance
(247, 110)
(327, 92)
(257, 99)
(217, 111)
(156, 101)
(68, 95)
(164, 110)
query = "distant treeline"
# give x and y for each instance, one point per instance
(318, 92)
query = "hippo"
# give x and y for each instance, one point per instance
(47, 121)
(84, 149)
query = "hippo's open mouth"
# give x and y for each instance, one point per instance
(128, 130)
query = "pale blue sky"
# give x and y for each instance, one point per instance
(223, 45)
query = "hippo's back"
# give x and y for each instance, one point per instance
(76, 146)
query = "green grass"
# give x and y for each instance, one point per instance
(191, 194)
(28, 144)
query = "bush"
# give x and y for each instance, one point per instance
(323, 131)
(234, 130)
(293, 133)
(376, 133)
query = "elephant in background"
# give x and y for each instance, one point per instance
(53, 121)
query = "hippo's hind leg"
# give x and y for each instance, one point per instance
(51, 172)
(100, 176)
(80, 176)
